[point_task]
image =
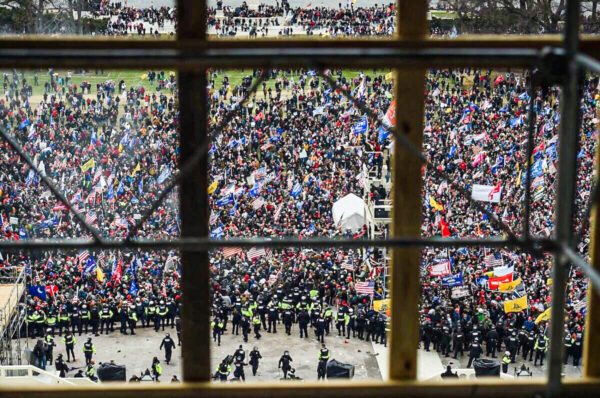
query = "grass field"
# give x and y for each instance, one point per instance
(133, 78)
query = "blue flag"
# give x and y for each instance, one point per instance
(452, 151)
(141, 187)
(296, 190)
(164, 175)
(217, 233)
(452, 280)
(225, 200)
(90, 266)
(133, 288)
(255, 189)
(362, 126)
(38, 291)
(383, 134)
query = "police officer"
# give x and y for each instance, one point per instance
(132, 319)
(217, 327)
(95, 319)
(577, 349)
(90, 372)
(86, 318)
(324, 356)
(328, 317)
(506, 360)
(492, 342)
(63, 320)
(245, 328)
(274, 317)
(239, 370)
(223, 370)
(528, 346)
(69, 341)
(236, 321)
(541, 346)
(350, 322)
(88, 350)
(254, 360)
(303, 321)
(150, 312)
(75, 317)
(445, 341)
(168, 345)
(458, 343)
(105, 318)
(256, 322)
(261, 310)
(122, 314)
(161, 316)
(512, 344)
(288, 320)
(320, 328)
(340, 324)
(284, 363)
(475, 352)
(50, 344)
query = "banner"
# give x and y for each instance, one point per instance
(483, 193)
(459, 292)
(389, 120)
(516, 305)
(452, 280)
(88, 165)
(544, 316)
(494, 282)
(382, 305)
(510, 286)
(440, 269)
(503, 270)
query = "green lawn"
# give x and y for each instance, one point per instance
(133, 78)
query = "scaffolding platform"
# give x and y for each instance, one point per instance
(9, 298)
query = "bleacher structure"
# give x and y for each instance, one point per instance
(378, 215)
(12, 316)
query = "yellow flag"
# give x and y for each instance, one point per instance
(519, 178)
(88, 165)
(509, 286)
(389, 76)
(435, 204)
(544, 316)
(99, 274)
(137, 168)
(213, 187)
(516, 305)
(549, 282)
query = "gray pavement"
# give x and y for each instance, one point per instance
(136, 352)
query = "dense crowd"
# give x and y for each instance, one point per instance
(292, 149)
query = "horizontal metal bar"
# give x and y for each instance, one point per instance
(201, 244)
(275, 57)
(589, 63)
(587, 269)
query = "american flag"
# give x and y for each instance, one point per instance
(121, 223)
(258, 203)
(60, 207)
(348, 265)
(492, 261)
(82, 256)
(91, 218)
(213, 218)
(102, 259)
(278, 212)
(256, 253)
(274, 277)
(365, 287)
(231, 251)
(260, 173)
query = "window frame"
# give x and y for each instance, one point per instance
(410, 51)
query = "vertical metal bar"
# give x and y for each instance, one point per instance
(407, 202)
(194, 201)
(194, 222)
(569, 140)
(591, 364)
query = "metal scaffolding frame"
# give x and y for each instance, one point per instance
(194, 55)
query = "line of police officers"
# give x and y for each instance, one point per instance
(266, 311)
(78, 317)
(447, 340)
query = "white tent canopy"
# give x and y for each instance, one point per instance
(349, 213)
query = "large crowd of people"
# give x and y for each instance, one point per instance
(291, 150)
